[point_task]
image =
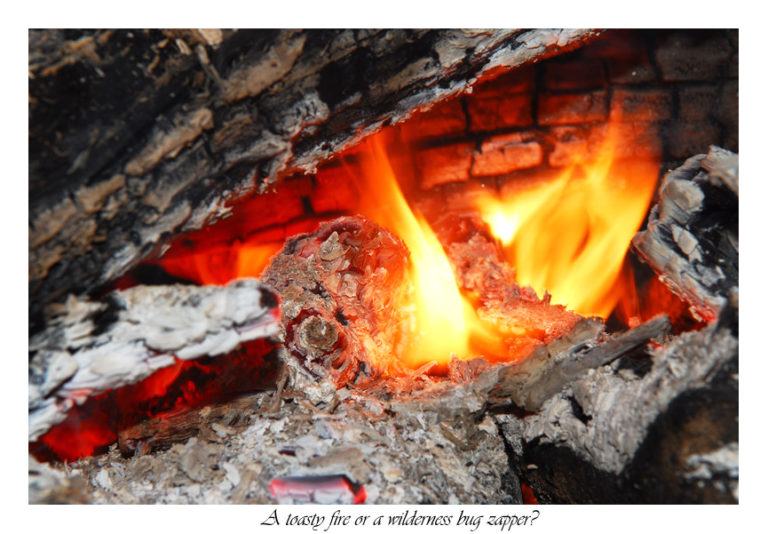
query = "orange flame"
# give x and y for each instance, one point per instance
(569, 236)
(444, 323)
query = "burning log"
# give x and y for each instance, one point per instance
(556, 402)
(211, 115)
(343, 290)
(346, 295)
(658, 427)
(692, 239)
(93, 346)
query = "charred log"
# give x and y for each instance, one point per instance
(93, 346)
(692, 239)
(138, 135)
(668, 434)
(399, 460)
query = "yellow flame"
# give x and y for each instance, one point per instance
(439, 310)
(569, 236)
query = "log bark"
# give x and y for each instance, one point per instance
(138, 135)
(692, 239)
(93, 346)
(659, 426)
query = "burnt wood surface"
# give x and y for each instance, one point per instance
(138, 135)
(90, 347)
(656, 426)
(692, 238)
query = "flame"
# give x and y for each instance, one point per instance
(569, 236)
(444, 323)
(221, 265)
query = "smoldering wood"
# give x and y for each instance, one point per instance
(90, 346)
(449, 450)
(541, 376)
(343, 290)
(662, 432)
(692, 238)
(399, 459)
(138, 135)
(160, 433)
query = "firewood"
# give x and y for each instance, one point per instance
(177, 123)
(220, 420)
(663, 432)
(92, 346)
(546, 374)
(343, 289)
(692, 239)
(482, 271)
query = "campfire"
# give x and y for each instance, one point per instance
(502, 271)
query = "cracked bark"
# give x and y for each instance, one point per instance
(138, 135)
(90, 347)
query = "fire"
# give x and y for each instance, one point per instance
(219, 266)
(444, 323)
(569, 236)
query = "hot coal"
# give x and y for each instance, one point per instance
(342, 289)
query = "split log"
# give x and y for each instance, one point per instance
(92, 346)
(659, 427)
(138, 135)
(692, 239)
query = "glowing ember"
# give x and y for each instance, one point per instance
(94, 425)
(219, 266)
(569, 236)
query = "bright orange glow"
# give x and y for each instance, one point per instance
(569, 236)
(218, 266)
(443, 322)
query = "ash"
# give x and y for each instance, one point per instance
(398, 457)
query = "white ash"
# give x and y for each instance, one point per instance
(398, 459)
(89, 347)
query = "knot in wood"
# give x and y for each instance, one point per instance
(316, 334)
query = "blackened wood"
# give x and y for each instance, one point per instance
(458, 461)
(138, 135)
(92, 346)
(537, 379)
(692, 239)
(215, 421)
(662, 433)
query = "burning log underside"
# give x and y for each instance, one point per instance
(91, 347)
(658, 427)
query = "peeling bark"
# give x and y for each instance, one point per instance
(138, 135)
(90, 347)
(692, 239)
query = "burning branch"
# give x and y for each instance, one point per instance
(90, 347)
(692, 240)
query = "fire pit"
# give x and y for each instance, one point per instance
(486, 267)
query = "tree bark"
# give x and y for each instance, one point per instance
(138, 135)
(692, 239)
